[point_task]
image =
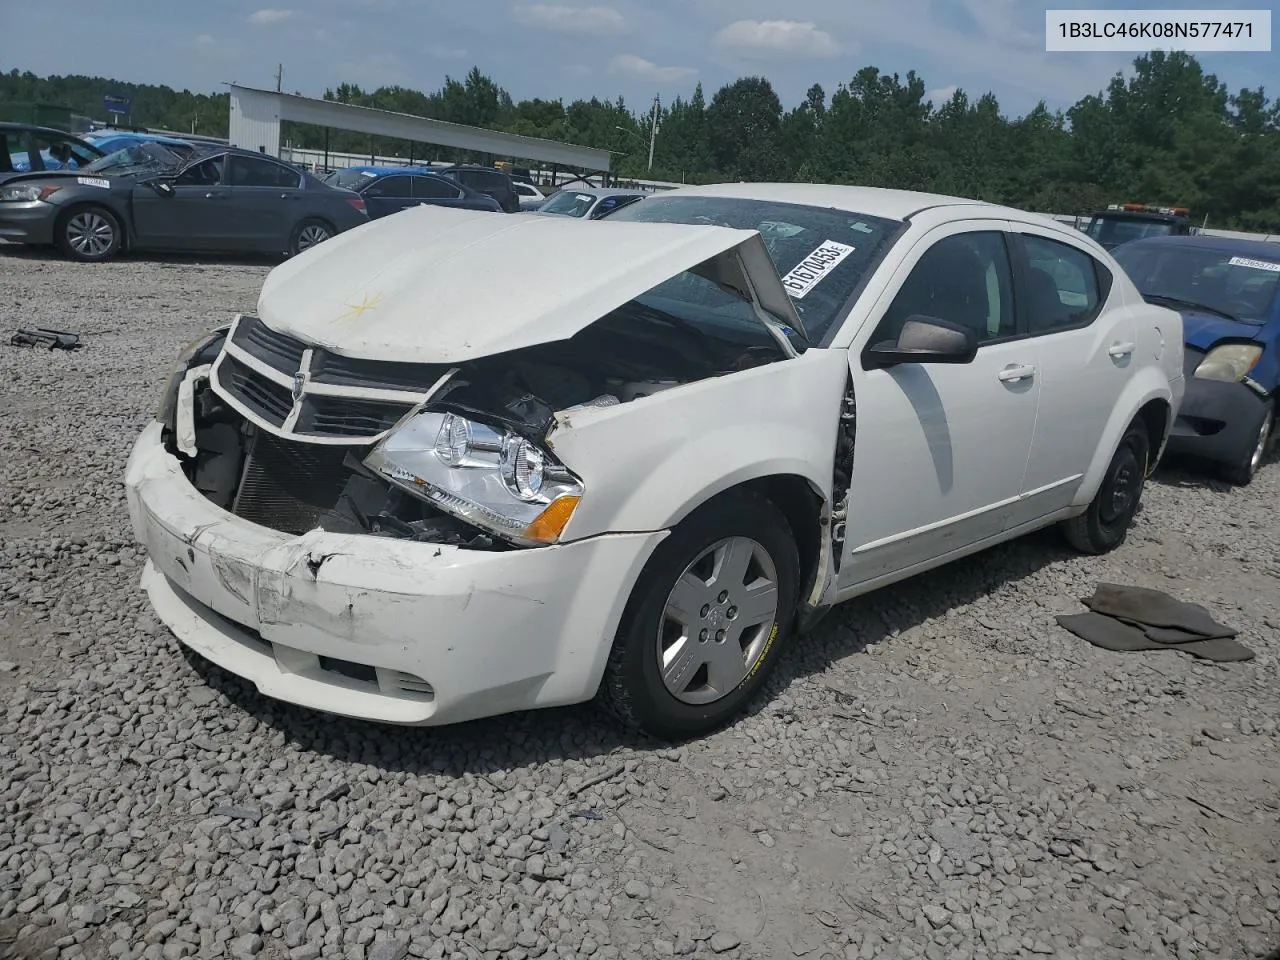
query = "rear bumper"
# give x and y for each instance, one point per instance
(27, 222)
(1218, 421)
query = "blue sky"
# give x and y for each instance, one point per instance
(580, 48)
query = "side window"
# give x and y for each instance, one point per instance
(205, 174)
(435, 188)
(261, 172)
(965, 279)
(1063, 288)
(394, 187)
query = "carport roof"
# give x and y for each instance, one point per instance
(270, 106)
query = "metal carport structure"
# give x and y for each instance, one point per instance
(256, 116)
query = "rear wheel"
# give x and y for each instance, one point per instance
(1104, 526)
(707, 620)
(88, 234)
(1242, 471)
(308, 234)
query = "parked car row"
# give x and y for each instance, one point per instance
(647, 461)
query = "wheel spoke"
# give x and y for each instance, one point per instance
(687, 599)
(726, 666)
(681, 661)
(759, 603)
(732, 560)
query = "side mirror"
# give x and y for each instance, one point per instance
(924, 340)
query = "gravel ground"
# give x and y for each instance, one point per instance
(939, 772)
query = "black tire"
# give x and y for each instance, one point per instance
(1104, 526)
(88, 233)
(1241, 472)
(633, 687)
(305, 232)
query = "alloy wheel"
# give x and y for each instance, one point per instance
(310, 235)
(90, 234)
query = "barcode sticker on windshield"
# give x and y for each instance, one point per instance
(1255, 264)
(808, 273)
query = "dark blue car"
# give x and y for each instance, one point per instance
(1228, 292)
(388, 190)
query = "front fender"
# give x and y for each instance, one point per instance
(648, 463)
(1146, 385)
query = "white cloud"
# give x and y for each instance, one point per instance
(262, 18)
(648, 70)
(590, 20)
(789, 39)
(942, 94)
(204, 40)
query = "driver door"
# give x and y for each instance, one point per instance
(940, 450)
(196, 215)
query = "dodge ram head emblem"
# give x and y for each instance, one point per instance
(299, 384)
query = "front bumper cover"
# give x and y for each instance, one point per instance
(372, 627)
(28, 222)
(1218, 421)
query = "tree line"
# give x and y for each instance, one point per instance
(1170, 133)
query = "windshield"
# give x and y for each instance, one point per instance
(850, 246)
(137, 158)
(1240, 287)
(1113, 231)
(568, 203)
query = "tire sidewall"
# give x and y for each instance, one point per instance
(63, 242)
(296, 237)
(634, 665)
(1108, 536)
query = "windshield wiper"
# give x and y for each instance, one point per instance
(1189, 304)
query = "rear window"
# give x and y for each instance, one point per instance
(822, 254)
(1243, 286)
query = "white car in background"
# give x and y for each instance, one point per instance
(645, 461)
(530, 196)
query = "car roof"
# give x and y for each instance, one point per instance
(133, 135)
(37, 128)
(380, 171)
(869, 201)
(1138, 215)
(602, 191)
(1258, 248)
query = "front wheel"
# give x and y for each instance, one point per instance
(1242, 471)
(1104, 526)
(308, 234)
(88, 234)
(709, 615)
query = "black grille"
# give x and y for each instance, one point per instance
(378, 374)
(290, 486)
(323, 416)
(256, 338)
(268, 400)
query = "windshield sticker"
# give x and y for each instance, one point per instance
(808, 273)
(94, 182)
(1255, 264)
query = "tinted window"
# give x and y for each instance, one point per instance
(207, 173)
(1112, 231)
(793, 233)
(609, 204)
(525, 191)
(1243, 286)
(350, 179)
(966, 279)
(1063, 288)
(568, 203)
(435, 188)
(396, 187)
(260, 172)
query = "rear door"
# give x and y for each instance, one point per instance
(195, 215)
(1086, 342)
(388, 195)
(266, 197)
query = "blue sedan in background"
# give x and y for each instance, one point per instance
(1228, 292)
(109, 141)
(388, 190)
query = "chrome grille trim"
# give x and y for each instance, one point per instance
(332, 399)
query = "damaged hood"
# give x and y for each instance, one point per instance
(437, 285)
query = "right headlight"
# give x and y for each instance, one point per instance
(203, 349)
(494, 479)
(1231, 362)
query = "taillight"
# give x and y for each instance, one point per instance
(357, 202)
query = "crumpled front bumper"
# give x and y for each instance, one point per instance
(373, 627)
(1218, 421)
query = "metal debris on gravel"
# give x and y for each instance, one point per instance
(939, 771)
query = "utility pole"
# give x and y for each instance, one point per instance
(279, 76)
(653, 129)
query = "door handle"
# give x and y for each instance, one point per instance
(1017, 371)
(1119, 350)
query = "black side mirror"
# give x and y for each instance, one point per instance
(924, 340)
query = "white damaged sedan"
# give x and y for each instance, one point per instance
(458, 465)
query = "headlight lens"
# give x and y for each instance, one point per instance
(20, 193)
(1231, 362)
(495, 479)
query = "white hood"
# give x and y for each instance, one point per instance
(436, 285)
